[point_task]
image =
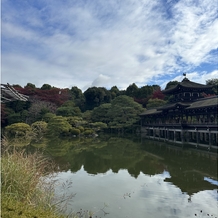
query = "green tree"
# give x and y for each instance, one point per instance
(214, 83)
(68, 111)
(132, 90)
(58, 125)
(153, 103)
(171, 84)
(39, 128)
(95, 96)
(78, 97)
(97, 126)
(123, 112)
(115, 92)
(99, 114)
(47, 117)
(46, 87)
(30, 85)
(18, 130)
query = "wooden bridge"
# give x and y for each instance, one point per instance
(8, 93)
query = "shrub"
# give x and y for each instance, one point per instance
(39, 127)
(18, 130)
(88, 132)
(81, 128)
(75, 131)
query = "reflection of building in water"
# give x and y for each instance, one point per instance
(189, 117)
(187, 167)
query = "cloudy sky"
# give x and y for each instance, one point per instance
(100, 43)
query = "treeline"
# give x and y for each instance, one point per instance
(116, 109)
(69, 102)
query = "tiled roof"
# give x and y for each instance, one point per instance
(205, 102)
(151, 111)
(8, 93)
(187, 84)
(202, 103)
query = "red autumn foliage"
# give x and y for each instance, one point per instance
(157, 94)
(54, 95)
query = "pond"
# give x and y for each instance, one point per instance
(126, 176)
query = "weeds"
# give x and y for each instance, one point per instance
(25, 183)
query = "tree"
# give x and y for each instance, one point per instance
(132, 90)
(39, 108)
(46, 87)
(123, 112)
(171, 84)
(157, 94)
(99, 114)
(78, 97)
(114, 92)
(214, 83)
(68, 111)
(30, 85)
(58, 125)
(18, 130)
(96, 96)
(153, 103)
(39, 128)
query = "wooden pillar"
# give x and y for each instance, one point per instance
(197, 137)
(182, 136)
(209, 136)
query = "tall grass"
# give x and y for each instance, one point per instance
(28, 186)
(24, 182)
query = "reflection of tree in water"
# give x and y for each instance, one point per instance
(98, 155)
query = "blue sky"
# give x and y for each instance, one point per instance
(88, 43)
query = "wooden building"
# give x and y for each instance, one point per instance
(8, 93)
(189, 118)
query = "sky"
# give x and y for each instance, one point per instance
(88, 43)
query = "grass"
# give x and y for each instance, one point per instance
(25, 188)
(28, 184)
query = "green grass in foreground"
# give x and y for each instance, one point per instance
(24, 192)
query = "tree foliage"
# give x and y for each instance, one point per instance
(18, 130)
(171, 84)
(58, 125)
(123, 112)
(152, 103)
(214, 83)
(132, 90)
(99, 114)
(95, 96)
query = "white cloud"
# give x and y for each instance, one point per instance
(115, 43)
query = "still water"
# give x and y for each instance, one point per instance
(120, 177)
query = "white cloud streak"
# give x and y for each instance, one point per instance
(115, 43)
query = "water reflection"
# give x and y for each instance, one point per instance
(137, 178)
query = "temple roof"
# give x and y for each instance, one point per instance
(203, 103)
(150, 111)
(187, 84)
(8, 93)
(174, 105)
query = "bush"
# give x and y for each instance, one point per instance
(18, 130)
(81, 128)
(59, 125)
(39, 127)
(88, 132)
(75, 131)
